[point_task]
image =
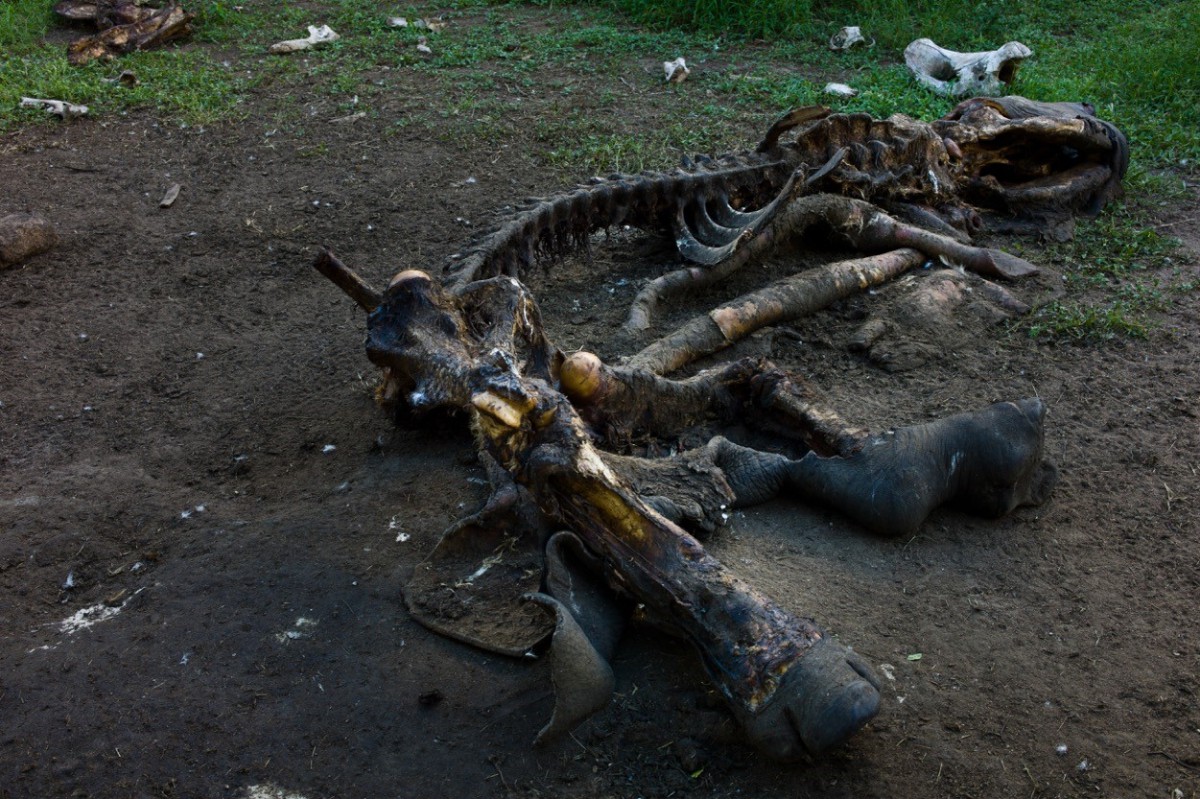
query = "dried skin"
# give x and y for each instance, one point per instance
(474, 342)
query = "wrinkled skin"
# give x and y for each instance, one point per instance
(474, 342)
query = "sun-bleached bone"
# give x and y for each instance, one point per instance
(959, 74)
(316, 35)
(59, 108)
(676, 71)
(840, 90)
(847, 37)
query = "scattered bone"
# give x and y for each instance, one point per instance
(269, 791)
(847, 37)
(297, 631)
(431, 25)
(397, 22)
(958, 74)
(840, 90)
(128, 78)
(317, 35)
(676, 71)
(423, 46)
(169, 199)
(23, 236)
(59, 108)
(94, 614)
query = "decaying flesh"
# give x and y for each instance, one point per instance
(550, 426)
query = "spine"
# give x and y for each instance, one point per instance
(548, 228)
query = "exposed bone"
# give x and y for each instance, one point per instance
(840, 90)
(171, 195)
(23, 236)
(847, 37)
(124, 27)
(676, 71)
(474, 343)
(431, 25)
(59, 108)
(127, 78)
(787, 299)
(959, 74)
(316, 36)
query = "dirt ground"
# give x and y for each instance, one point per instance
(205, 521)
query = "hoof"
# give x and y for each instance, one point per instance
(824, 699)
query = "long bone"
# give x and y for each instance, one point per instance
(793, 689)
(475, 344)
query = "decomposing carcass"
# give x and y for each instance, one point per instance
(579, 518)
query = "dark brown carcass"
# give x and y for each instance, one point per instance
(551, 428)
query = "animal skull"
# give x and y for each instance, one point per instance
(959, 74)
(847, 37)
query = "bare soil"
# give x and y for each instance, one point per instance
(191, 461)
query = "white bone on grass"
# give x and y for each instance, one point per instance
(958, 74)
(59, 108)
(317, 35)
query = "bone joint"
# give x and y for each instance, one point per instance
(959, 74)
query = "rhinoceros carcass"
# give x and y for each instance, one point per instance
(555, 430)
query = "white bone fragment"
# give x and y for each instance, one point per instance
(397, 22)
(59, 108)
(957, 74)
(166, 202)
(840, 90)
(423, 46)
(127, 78)
(676, 71)
(847, 37)
(316, 36)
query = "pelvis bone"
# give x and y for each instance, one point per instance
(961, 74)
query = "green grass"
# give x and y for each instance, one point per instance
(1135, 61)
(1121, 271)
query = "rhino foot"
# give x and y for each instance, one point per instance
(828, 696)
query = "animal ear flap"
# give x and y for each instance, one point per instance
(469, 588)
(583, 680)
(588, 623)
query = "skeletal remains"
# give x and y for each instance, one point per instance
(965, 74)
(575, 517)
(123, 26)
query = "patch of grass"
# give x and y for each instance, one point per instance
(1120, 272)
(1082, 322)
(23, 23)
(754, 18)
(184, 86)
